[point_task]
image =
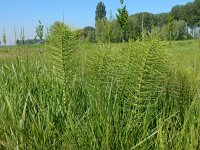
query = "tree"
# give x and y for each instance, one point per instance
(4, 37)
(79, 34)
(116, 32)
(89, 34)
(108, 28)
(101, 25)
(22, 38)
(87, 29)
(35, 39)
(122, 19)
(165, 35)
(17, 42)
(140, 23)
(160, 19)
(171, 27)
(100, 22)
(180, 31)
(175, 11)
(195, 16)
(100, 11)
(39, 31)
(133, 30)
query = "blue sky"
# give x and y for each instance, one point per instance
(77, 13)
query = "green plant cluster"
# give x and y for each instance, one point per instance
(129, 97)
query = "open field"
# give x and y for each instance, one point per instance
(138, 95)
(103, 75)
(11, 53)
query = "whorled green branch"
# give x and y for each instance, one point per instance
(61, 47)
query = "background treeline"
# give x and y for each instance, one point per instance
(28, 42)
(182, 22)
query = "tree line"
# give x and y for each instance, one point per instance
(20, 40)
(178, 24)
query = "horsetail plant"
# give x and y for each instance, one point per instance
(61, 46)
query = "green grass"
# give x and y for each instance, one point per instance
(141, 95)
(11, 53)
(187, 54)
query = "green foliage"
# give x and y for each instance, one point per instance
(101, 28)
(4, 37)
(89, 34)
(39, 31)
(127, 96)
(180, 30)
(116, 33)
(140, 21)
(17, 41)
(87, 29)
(171, 27)
(86, 34)
(100, 22)
(134, 26)
(160, 19)
(178, 12)
(35, 39)
(122, 19)
(100, 11)
(26, 42)
(61, 47)
(22, 38)
(189, 13)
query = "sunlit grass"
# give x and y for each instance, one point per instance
(139, 95)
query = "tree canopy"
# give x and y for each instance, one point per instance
(100, 11)
(180, 23)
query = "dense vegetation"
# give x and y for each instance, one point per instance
(185, 20)
(69, 93)
(138, 95)
(181, 23)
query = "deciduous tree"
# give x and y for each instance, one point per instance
(101, 26)
(4, 37)
(122, 19)
(39, 31)
(171, 26)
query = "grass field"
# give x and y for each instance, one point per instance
(137, 95)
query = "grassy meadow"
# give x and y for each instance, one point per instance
(136, 95)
